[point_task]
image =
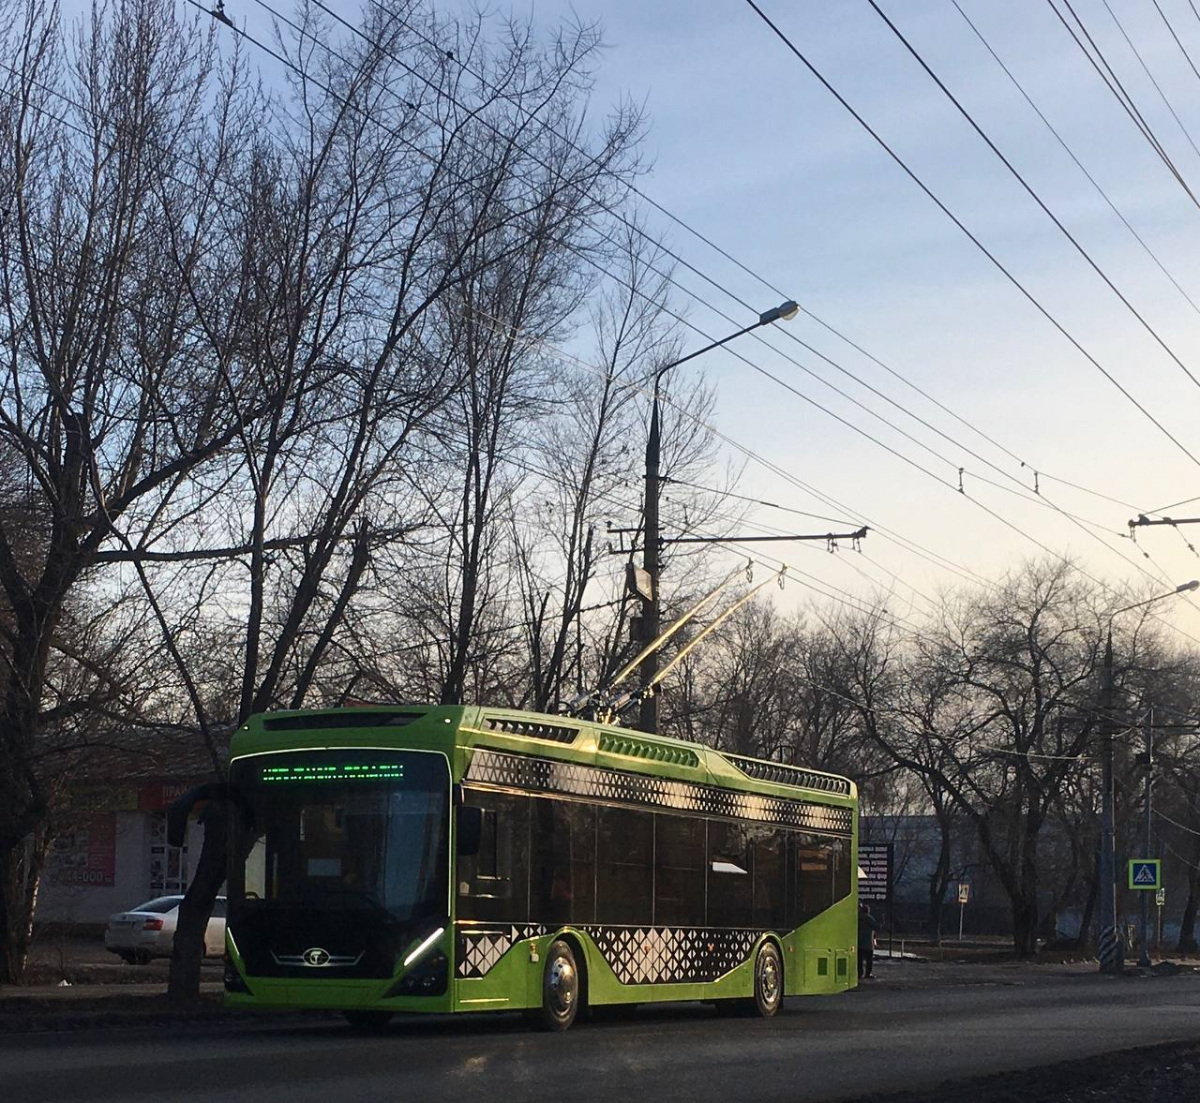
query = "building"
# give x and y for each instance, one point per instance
(110, 852)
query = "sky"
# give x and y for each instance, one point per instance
(747, 147)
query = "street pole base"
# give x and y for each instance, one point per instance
(1112, 952)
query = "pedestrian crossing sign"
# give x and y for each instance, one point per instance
(1145, 873)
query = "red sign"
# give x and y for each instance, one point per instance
(87, 855)
(158, 795)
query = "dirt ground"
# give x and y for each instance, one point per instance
(84, 960)
(1158, 1074)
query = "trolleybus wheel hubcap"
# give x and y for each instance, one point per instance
(769, 979)
(564, 985)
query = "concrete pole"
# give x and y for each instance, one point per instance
(1144, 955)
(1111, 951)
(648, 712)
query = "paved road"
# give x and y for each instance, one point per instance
(915, 1028)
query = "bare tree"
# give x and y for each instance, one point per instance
(1004, 710)
(112, 391)
(392, 246)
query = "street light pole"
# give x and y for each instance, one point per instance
(1111, 949)
(651, 608)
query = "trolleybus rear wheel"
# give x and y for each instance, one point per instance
(768, 980)
(562, 992)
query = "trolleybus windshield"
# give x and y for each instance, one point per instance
(340, 859)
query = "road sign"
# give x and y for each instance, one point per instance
(964, 892)
(1145, 874)
(1160, 898)
(875, 871)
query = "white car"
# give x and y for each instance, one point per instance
(148, 931)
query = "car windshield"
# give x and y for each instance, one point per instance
(159, 905)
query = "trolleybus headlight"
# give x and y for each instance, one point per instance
(428, 977)
(425, 944)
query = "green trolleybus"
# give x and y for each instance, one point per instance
(457, 858)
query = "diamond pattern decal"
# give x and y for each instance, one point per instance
(479, 948)
(672, 955)
(636, 955)
(545, 775)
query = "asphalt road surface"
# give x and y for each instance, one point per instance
(909, 1031)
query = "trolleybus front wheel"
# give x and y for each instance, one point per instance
(562, 990)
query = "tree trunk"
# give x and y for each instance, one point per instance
(939, 881)
(20, 875)
(1025, 923)
(197, 906)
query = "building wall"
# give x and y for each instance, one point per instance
(94, 871)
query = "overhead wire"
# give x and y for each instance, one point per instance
(1049, 551)
(1182, 48)
(754, 501)
(1071, 153)
(1033, 193)
(1157, 87)
(1113, 83)
(925, 188)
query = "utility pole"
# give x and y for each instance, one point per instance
(1144, 955)
(651, 617)
(1111, 952)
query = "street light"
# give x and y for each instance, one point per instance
(648, 719)
(1111, 956)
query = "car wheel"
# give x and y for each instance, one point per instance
(127, 956)
(141, 957)
(562, 988)
(768, 980)
(368, 1022)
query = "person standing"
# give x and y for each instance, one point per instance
(867, 926)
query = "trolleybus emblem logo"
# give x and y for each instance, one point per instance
(316, 956)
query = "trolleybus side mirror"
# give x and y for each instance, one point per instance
(470, 830)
